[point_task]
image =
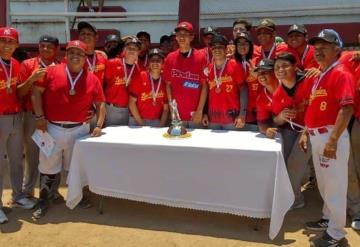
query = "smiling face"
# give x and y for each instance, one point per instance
(284, 70)
(75, 59)
(88, 36)
(218, 51)
(155, 63)
(265, 77)
(47, 50)
(242, 47)
(296, 40)
(132, 52)
(325, 53)
(265, 36)
(239, 28)
(7, 47)
(184, 38)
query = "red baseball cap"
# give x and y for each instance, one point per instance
(76, 44)
(185, 26)
(9, 32)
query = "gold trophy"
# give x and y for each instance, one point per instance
(176, 129)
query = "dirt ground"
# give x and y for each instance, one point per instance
(129, 224)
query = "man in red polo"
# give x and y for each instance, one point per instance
(32, 70)
(326, 119)
(61, 104)
(207, 35)
(143, 59)
(95, 59)
(11, 135)
(184, 76)
(119, 75)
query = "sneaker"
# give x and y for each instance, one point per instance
(3, 218)
(84, 203)
(356, 224)
(25, 203)
(311, 184)
(320, 225)
(298, 204)
(41, 210)
(327, 241)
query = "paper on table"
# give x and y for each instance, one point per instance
(45, 142)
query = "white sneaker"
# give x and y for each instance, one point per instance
(25, 203)
(3, 218)
(356, 224)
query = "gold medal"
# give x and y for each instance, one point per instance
(72, 92)
(218, 90)
(9, 90)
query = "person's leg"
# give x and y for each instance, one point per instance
(31, 155)
(288, 141)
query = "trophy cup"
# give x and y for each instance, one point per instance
(176, 128)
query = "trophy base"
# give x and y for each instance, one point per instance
(184, 136)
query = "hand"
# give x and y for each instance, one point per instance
(313, 72)
(271, 132)
(288, 113)
(205, 120)
(303, 141)
(197, 117)
(140, 122)
(239, 122)
(41, 124)
(330, 149)
(96, 132)
(37, 74)
(90, 115)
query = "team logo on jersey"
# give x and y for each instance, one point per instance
(193, 85)
(184, 75)
(324, 161)
(7, 31)
(77, 43)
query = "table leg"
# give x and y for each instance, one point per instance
(256, 224)
(101, 204)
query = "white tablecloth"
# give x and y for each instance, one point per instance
(241, 173)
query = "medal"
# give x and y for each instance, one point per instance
(217, 78)
(92, 67)
(9, 90)
(73, 82)
(128, 77)
(153, 92)
(8, 75)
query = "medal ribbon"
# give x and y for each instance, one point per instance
(8, 75)
(73, 82)
(92, 66)
(218, 78)
(270, 53)
(128, 78)
(153, 92)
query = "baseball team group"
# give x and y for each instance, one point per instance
(305, 89)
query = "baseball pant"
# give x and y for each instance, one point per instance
(332, 178)
(151, 123)
(65, 140)
(288, 140)
(116, 116)
(31, 171)
(297, 166)
(354, 172)
(11, 144)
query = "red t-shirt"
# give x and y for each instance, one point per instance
(224, 106)
(143, 62)
(100, 64)
(336, 89)
(258, 52)
(307, 60)
(206, 53)
(142, 91)
(299, 101)
(9, 103)
(186, 77)
(115, 89)
(59, 105)
(263, 107)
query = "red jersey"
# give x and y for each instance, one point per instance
(115, 85)
(9, 103)
(206, 53)
(98, 67)
(142, 91)
(254, 89)
(298, 101)
(186, 77)
(263, 107)
(305, 60)
(59, 105)
(335, 90)
(259, 54)
(143, 62)
(27, 67)
(224, 103)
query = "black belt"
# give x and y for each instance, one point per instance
(67, 126)
(115, 105)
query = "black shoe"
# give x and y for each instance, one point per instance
(320, 225)
(84, 203)
(56, 198)
(41, 210)
(327, 241)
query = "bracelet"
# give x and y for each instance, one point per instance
(41, 117)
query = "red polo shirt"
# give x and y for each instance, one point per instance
(186, 77)
(100, 64)
(59, 105)
(258, 54)
(9, 103)
(141, 90)
(263, 107)
(335, 90)
(224, 106)
(115, 88)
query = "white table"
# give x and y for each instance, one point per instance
(241, 173)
